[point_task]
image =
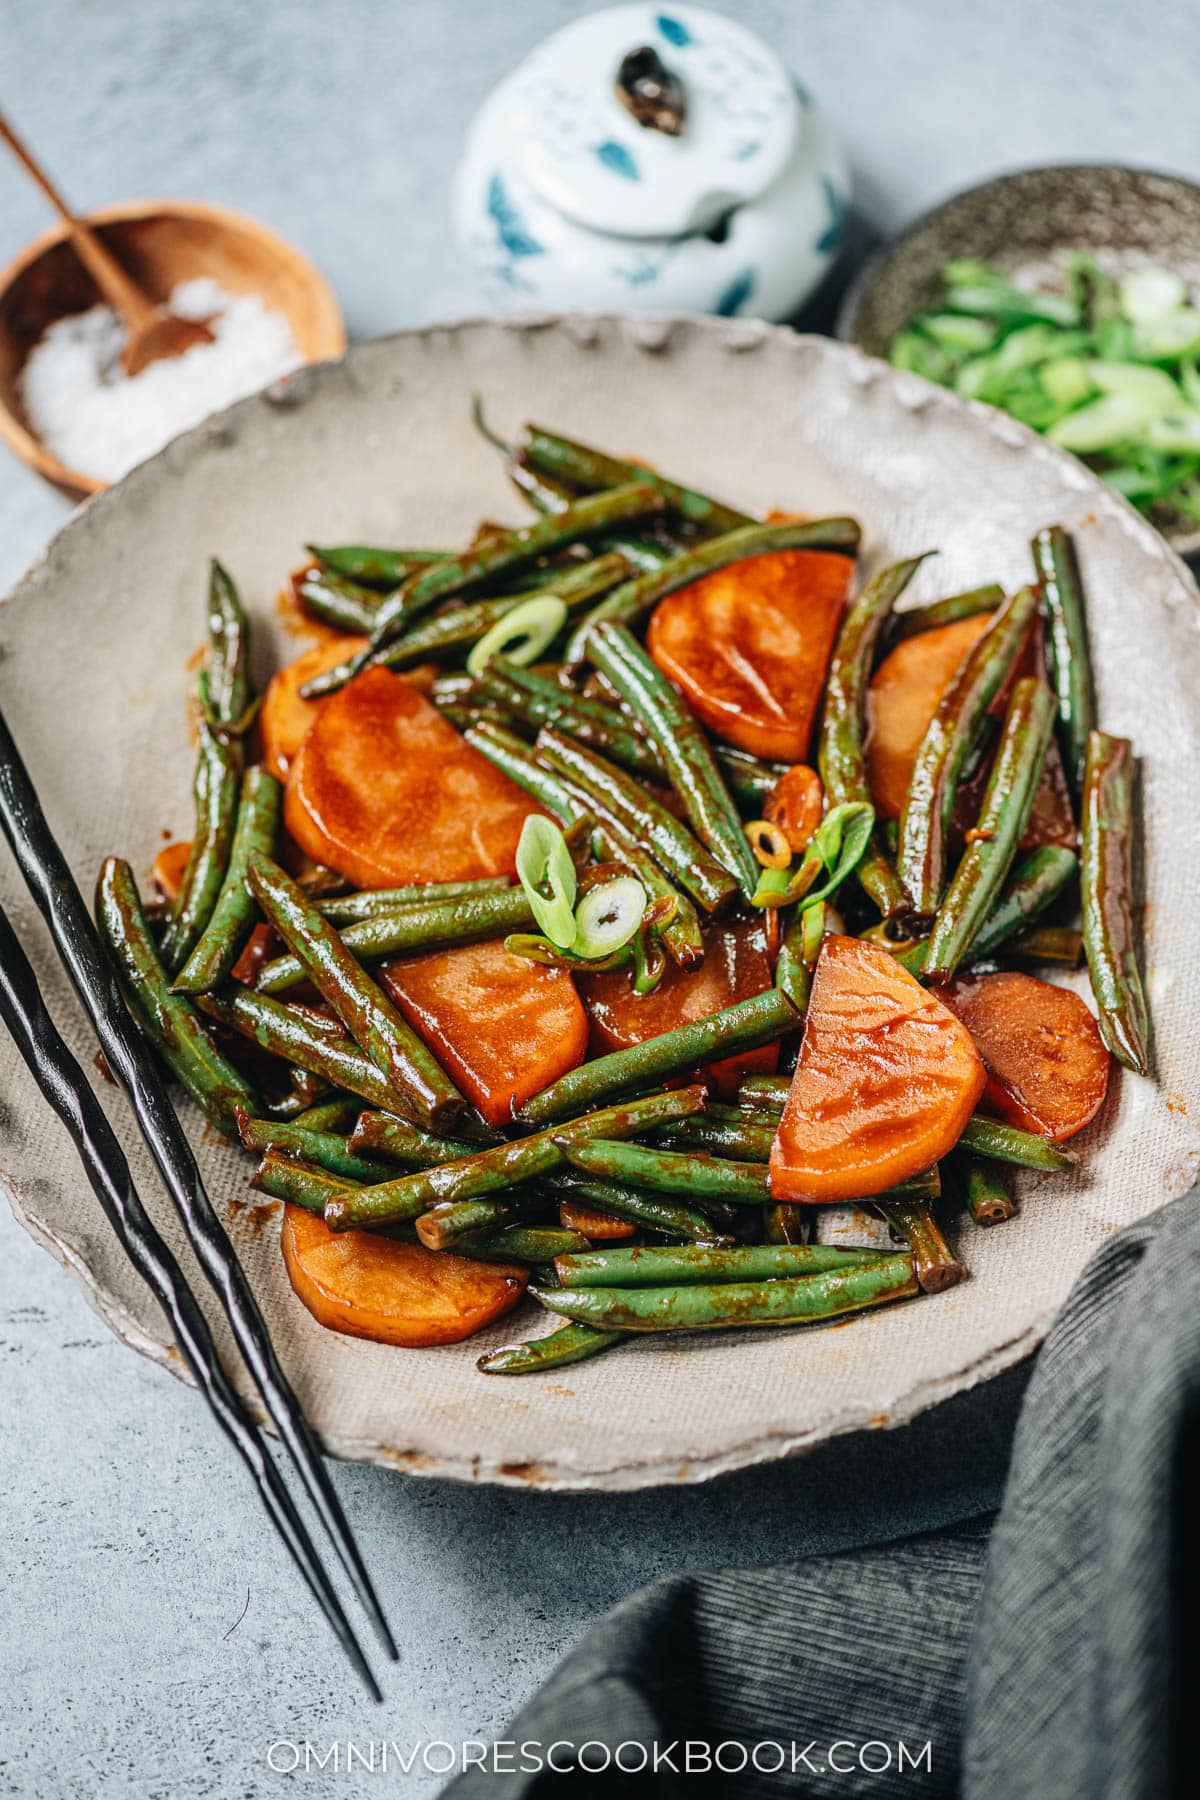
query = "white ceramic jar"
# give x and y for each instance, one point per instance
(565, 200)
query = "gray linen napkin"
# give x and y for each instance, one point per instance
(1051, 1660)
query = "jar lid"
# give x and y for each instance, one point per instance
(583, 151)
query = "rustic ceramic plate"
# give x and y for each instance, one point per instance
(380, 446)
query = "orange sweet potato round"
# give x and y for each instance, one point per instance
(169, 865)
(735, 967)
(604, 1227)
(285, 717)
(373, 1287)
(887, 1078)
(386, 792)
(503, 1027)
(749, 646)
(902, 699)
(1046, 1062)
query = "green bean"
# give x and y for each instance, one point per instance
(233, 916)
(650, 1210)
(682, 746)
(784, 1301)
(543, 492)
(406, 1143)
(784, 1224)
(525, 1243)
(952, 736)
(301, 1038)
(768, 1092)
(445, 1225)
(649, 1265)
(671, 1171)
(672, 845)
(634, 599)
(1049, 944)
(167, 1019)
(536, 702)
(1106, 881)
(564, 460)
(1036, 882)
(969, 605)
(682, 935)
(558, 1349)
(497, 555)
(438, 926)
(215, 797)
(327, 1149)
(371, 566)
(417, 1079)
(1007, 803)
(463, 626)
(300, 1184)
(1062, 592)
(936, 1265)
(336, 601)
(983, 1191)
(518, 762)
(333, 1114)
(722, 1130)
(749, 779)
(747, 1025)
(304, 1091)
(1007, 1144)
(792, 973)
(368, 903)
(503, 1166)
(228, 699)
(841, 754)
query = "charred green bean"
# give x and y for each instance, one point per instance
(234, 914)
(1106, 881)
(1062, 594)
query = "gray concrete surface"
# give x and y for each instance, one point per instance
(152, 1642)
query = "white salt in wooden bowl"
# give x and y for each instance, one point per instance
(160, 243)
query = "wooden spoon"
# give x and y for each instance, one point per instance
(154, 332)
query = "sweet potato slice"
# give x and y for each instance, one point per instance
(886, 1080)
(386, 792)
(735, 967)
(169, 864)
(902, 699)
(795, 804)
(373, 1287)
(750, 643)
(1047, 1066)
(503, 1027)
(285, 717)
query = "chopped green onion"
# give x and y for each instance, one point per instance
(608, 916)
(1149, 294)
(547, 874)
(522, 634)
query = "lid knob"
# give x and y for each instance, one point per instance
(651, 92)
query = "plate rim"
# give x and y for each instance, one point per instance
(650, 333)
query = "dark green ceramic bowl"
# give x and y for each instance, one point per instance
(1028, 223)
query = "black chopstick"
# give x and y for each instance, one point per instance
(133, 1067)
(66, 1089)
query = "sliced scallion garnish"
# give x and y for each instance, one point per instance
(547, 874)
(608, 916)
(522, 634)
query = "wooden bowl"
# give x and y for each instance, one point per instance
(161, 243)
(1028, 223)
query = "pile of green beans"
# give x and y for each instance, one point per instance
(347, 1107)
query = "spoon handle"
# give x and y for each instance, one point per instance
(117, 287)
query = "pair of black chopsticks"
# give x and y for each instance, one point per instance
(68, 1092)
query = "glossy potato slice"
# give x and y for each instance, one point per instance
(603, 1227)
(887, 1078)
(749, 646)
(1047, 1065)
(501, 1026)
(369, 1286)
(735, 967)
(169, 865)
(386, 792)
(285, 718)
